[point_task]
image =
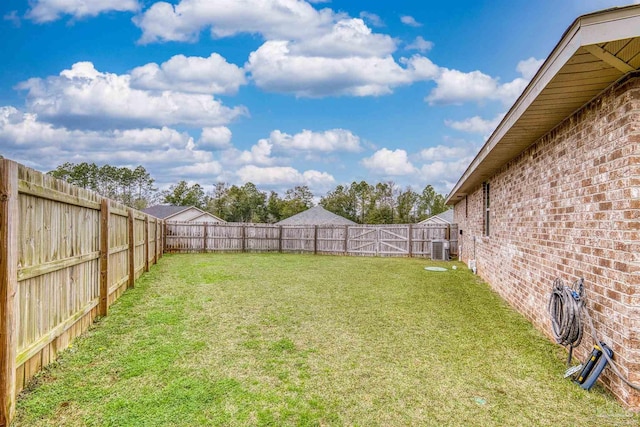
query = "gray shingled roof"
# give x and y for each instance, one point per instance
(317, 215)
(447, 216)
(164, 211)
(444, 216)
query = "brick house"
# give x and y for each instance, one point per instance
(555, 190)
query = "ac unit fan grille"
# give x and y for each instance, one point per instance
(437, 251)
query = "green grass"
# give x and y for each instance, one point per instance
(273, 340)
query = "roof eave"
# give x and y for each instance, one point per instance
(586, 30)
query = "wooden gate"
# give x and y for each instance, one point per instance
(379, 240)
(363, 240)
(393, 240)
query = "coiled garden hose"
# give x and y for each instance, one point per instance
(565, 309)
(566, 306)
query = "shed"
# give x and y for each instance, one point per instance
(316, 215)
(182, 214)
(554, 191)
(443, 218)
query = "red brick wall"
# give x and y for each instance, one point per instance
(569, 207)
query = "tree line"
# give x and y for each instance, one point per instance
(364, 203)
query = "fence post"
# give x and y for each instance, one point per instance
(315, 240)
(9, 217)
(162, 231)
(158, 240)
(146, 243)
(205, 237)
(244, 233)
(164, 239)
(104, 258)
(410, 240)
(132, 250)
(346, 239)
(280, 239)
(155, 241)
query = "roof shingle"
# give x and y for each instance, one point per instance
(316, 215)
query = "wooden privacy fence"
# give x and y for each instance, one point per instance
(363, 240)
(66, 254)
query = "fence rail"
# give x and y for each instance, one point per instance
(359, 240)
(66, 254)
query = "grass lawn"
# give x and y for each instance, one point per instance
(272, 340)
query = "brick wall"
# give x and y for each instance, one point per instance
(569, 207)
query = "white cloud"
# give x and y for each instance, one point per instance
(284, 175)
(307, 53)
(508, 92)
(13, 17)
(212, 75)
(456, 87)
(476, 124)
(410, 21)
(389, 163)
(216, 138)
(275, 68)
(204, 169)
(444, 174)
(44, 146)
(259, 154)
(24, 129)
(421, 68)
(282, 19)
(443, 165)
(372, 19)
(529, 67)
(50, 10)
(443, 152)
(85, 97)
(327, 141)
(347, 38)
(169, 155)
(162, 138)
(420, 44)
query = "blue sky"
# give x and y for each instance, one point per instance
(276, 92)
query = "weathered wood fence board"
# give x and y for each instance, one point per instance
(362, 240)
(63, 251)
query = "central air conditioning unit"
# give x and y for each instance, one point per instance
(440, 250)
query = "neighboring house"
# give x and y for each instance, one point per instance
(181, 214)
(555, 190)
(316, 215)
(443, 218)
